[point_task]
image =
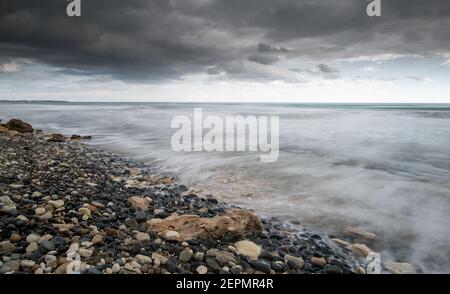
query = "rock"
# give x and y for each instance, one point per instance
(199, 256)
(47, 245)
(51, 260)
(159, 257)
(248, 248)
(115, 268)
(361, 249)
(360, 233)
(298, 262)
(3, 130)
(45, 216)
(201, 270)
(262, 266)
(7, 247)
(6, 204)
(19, 126)
(75, 137)
(172, 235)
(15, 237)
(333, 270)
(143, 259)
(97, 239)
(143, 237)
(140, 203)
(185, 255)
(401, 268)
(84, 211)
(56, 203)
(360, 271)
(32, 247)
(27, 263)
(33, 238)
(85, 252)
(319, 261)
(224, 258)
(213, 264)
(340, 242)
(10, 266)
(235, 222)
(58, 138)
(140, 216)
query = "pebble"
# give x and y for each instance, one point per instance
(319, 261)
(297, 262)
(143, 237)
(172, 235)
(248, 248)
(262, 266)
(361, 249)
(115, 268)
(199, 256)
(143, 259)
(201, 270)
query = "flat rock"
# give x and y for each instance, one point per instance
(248, 248)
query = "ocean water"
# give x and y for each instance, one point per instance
(381, 167)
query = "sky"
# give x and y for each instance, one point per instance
(226, 50)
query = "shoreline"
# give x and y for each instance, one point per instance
(63, 198)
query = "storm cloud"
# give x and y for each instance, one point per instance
(149, 41)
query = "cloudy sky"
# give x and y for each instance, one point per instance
(226, 50)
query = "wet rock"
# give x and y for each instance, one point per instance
(361, 249)
(360, 233)
(19, 126)
(296, 262)
(235, 222)
(401, 268)
(57, 138)
(319, 261)
(262, 266)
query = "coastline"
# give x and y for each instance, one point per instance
(63, 198)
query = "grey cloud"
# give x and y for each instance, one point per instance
(153, 40)
(326, 68)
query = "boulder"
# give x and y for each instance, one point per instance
(19, 126)
(234, 222)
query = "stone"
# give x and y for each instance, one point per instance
(58, 138)
(10, 266)
(172, 235)
(7, 247)
(262, 266)
(115, 268)
(360, 249)
(15, 237)
(360, 233)
(248, 248)
(84, 211)
(159, 257)
(97, 239)
(234, 222)
(45, 216)
(297, 261)
(360, 271)
(56, 203)
(19, 126)
(51, 260)
(201, 270)
(224, 258)
(143, 237)
(27, 263)
(140, 202)
(143, 259)
(185, 255)
(3, 130)
(32, 247)
(340, 242)
(39, 210)
(401, 268)
(199, 256)
(85, 252)
(319, 261)
(33, 238)
(6, 204)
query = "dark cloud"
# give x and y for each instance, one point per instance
(323, 68)
(150, 40)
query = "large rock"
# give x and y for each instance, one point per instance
(59, 138)
(139, 202)
(235, 222)
(19, 126)
(360, 233)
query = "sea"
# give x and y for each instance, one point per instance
(382, 167)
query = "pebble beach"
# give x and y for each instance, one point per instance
(63, 201)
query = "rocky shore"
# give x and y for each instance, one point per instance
(68, 207)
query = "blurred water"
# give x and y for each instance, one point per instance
(383, 168)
